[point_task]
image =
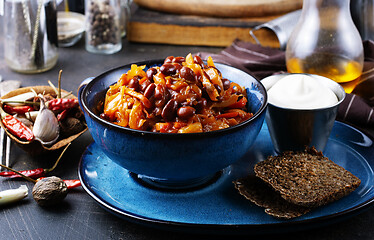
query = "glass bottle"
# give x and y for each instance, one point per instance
(363, 16)
(103, 33)
(30, 35)
(326, 42)
(125, 16)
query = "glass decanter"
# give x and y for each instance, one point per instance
(325, 42)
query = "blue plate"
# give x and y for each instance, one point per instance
(218, 207)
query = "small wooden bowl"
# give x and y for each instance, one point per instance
(35, 147)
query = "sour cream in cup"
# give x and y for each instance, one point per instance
(301, 110)
(300, 91)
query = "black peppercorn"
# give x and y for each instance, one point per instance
(103, 27)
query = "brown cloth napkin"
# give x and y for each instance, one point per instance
(356, 109)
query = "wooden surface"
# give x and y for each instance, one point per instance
(223, 8)
(148, 26)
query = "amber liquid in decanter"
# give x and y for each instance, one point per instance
(342, 70)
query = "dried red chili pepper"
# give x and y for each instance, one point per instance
(17, 109)
(59, 104)
(33, 173)
(62, 115)
(70, 183)
(17, 128)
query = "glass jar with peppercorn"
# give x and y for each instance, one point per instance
(103, 34)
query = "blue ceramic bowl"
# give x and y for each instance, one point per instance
(170, 158)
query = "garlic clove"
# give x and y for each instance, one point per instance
(13, 195)
(46, 128)
(31, 115)
(25, 121)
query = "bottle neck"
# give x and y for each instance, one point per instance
(326, 8)
(319, 4)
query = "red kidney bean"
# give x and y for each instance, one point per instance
(149, 90)
(130, 104)
(202, 103)
(177, 66)
(168, 69)
(186, 112)
(179, 60)
(180, 98)
(169, 59)
(167, 94)
(144, 85)
(157, 111)
(104, 116)
(187, 74)
(161, 95)
(134, 83)
(218, 87)
(197, 80)
(218, 71)
(226, 83)
(159, 92)
(198, 60)
(150, 72)
(169, 111)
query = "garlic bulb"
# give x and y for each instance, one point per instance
(13, 195)
(46, 128)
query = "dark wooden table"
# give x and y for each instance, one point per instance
(80, 217)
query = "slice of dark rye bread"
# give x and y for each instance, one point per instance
(306, 178)
(261, 194)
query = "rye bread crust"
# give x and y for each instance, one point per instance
(261, 194)
(306, 178)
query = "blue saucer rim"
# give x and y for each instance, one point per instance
(243, 228)
(240, 228)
